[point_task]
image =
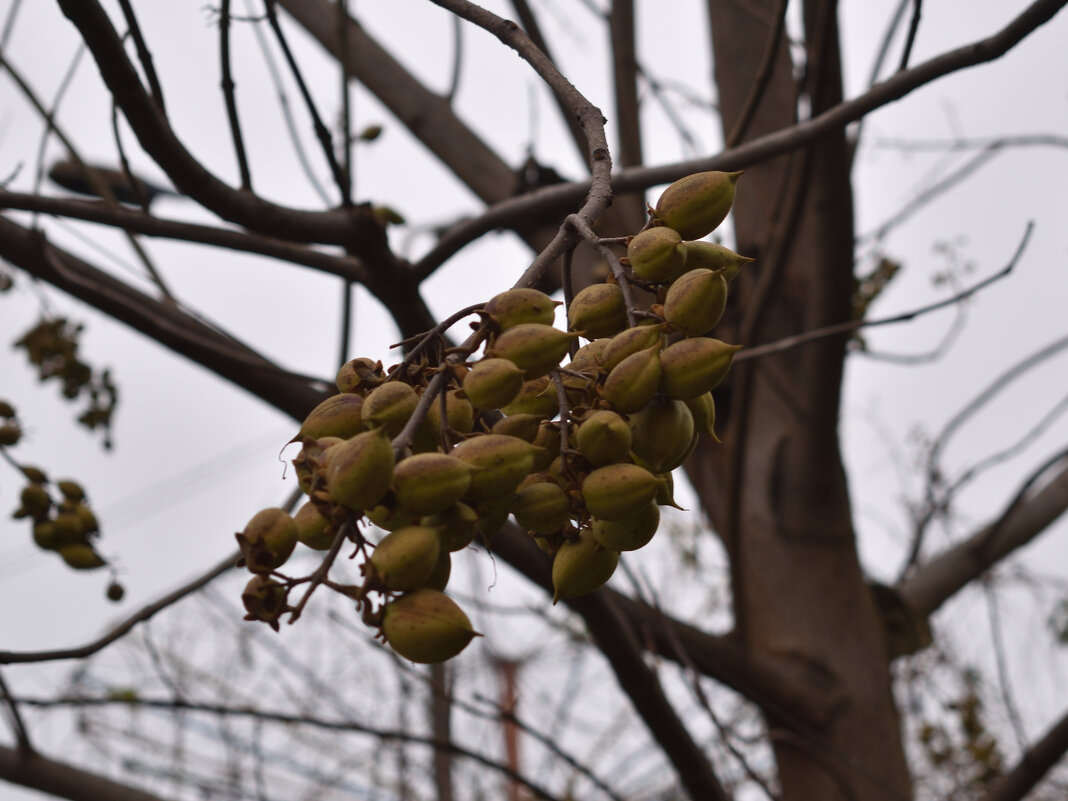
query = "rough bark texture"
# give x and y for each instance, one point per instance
(777, 491)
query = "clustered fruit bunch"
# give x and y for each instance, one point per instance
(445, 446)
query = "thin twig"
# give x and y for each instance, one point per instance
(914, 26)
(762, 78)
(22, 734)
(144, 55)
(228, 87)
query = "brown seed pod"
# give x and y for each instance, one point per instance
(360, 376)
(630, 533)
(268, 540)
(426, 626)
(493, 383)
(428, 483)
(703, 409)
(337, 416)
(662, 434)
(696, 205)
(535, 348)
(81, 557)
(634, 381)
(604, 438)
(619, 490)
(500, 463)
(390, 406)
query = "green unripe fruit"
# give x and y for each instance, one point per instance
(696, 205)
(520, 306)
(459, 414)
(597, 311)
(588, 358)
(524, 426)
(71, 490)
(656, 255)
(536, 397)
(337, 416)
(604, 438)
(696, 302)
(313, 529)
(665, 493)
(694, 366)
(715, 257)
(493, 383)
(360, 470)
(618, 490)
(81, 557)
(492, 515)
(535, 348)
(426, 626)
(634, 381)
(703, 409)
(581, 566)
(541, 507)
(390, 517)
(405, 558)
(629, 341)
(268, 540)
(389, 406)
(630, 533)
(548, 442)
(360, 376)
(501, 462)
(428, 483)
(456, 526)
(662, 434)
(439, 576)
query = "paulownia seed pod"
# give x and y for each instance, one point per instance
(519, 306)
(634, 381)
(501, 462)
(535, 348)
(696, 302)
(404, 559)
(604, 438)
(455, 526)
(581, 566)
(597, 311)
(428, 483)
(337, 416)
(662, 434)
(313, 530)
(694, 366)
(713, 256)
(619, 490)
(696, 205)
(360, 470)
(390, 406)
(656, 255)
(630, 533)
(631, 340)
(426, 626)
(541, 507)
(493, 383)
(268, 540)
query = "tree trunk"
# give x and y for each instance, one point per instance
(776, 490)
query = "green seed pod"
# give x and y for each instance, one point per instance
(548, 440)
(656, 255)
(81, 557)
(524, 426)
(44, 535)
(493, 383)
(390, 406)
(665, 493)
(360, 376)
(536, 397)
(581, 566)
(337, 416)
(604, 438)
(87, 518)
(428, 483)
(459, 414)
(703, 409)
(71, 490)
(521, 306)
(388, 516)
(360, 470)
(535, 348)
(439, 576)
(455, 526)
(619, 490)
(712, 256)
(597, 311)
(696, 302)
(313, 529)
(588, 357)
(662, 434)
(630, 533)
(36, 501)
(542, 507)
(405, 558)
(696, 205)
(694, 366)
(492, 515)
(426, 626)
(68, 529)
(632, 340)
(634, 381)
(268, 540)
(501, 462)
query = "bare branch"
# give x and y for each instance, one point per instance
(31, 769)
(142, 615)
(22, 734)
(940, 578)
(1033, 765)
(763, 77)
(914, 26)
(231, 99)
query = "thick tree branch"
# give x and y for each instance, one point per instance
(557, 200)
(1033, 765)
(30, 769)
(936, 581)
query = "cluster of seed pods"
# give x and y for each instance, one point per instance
(443, 448)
